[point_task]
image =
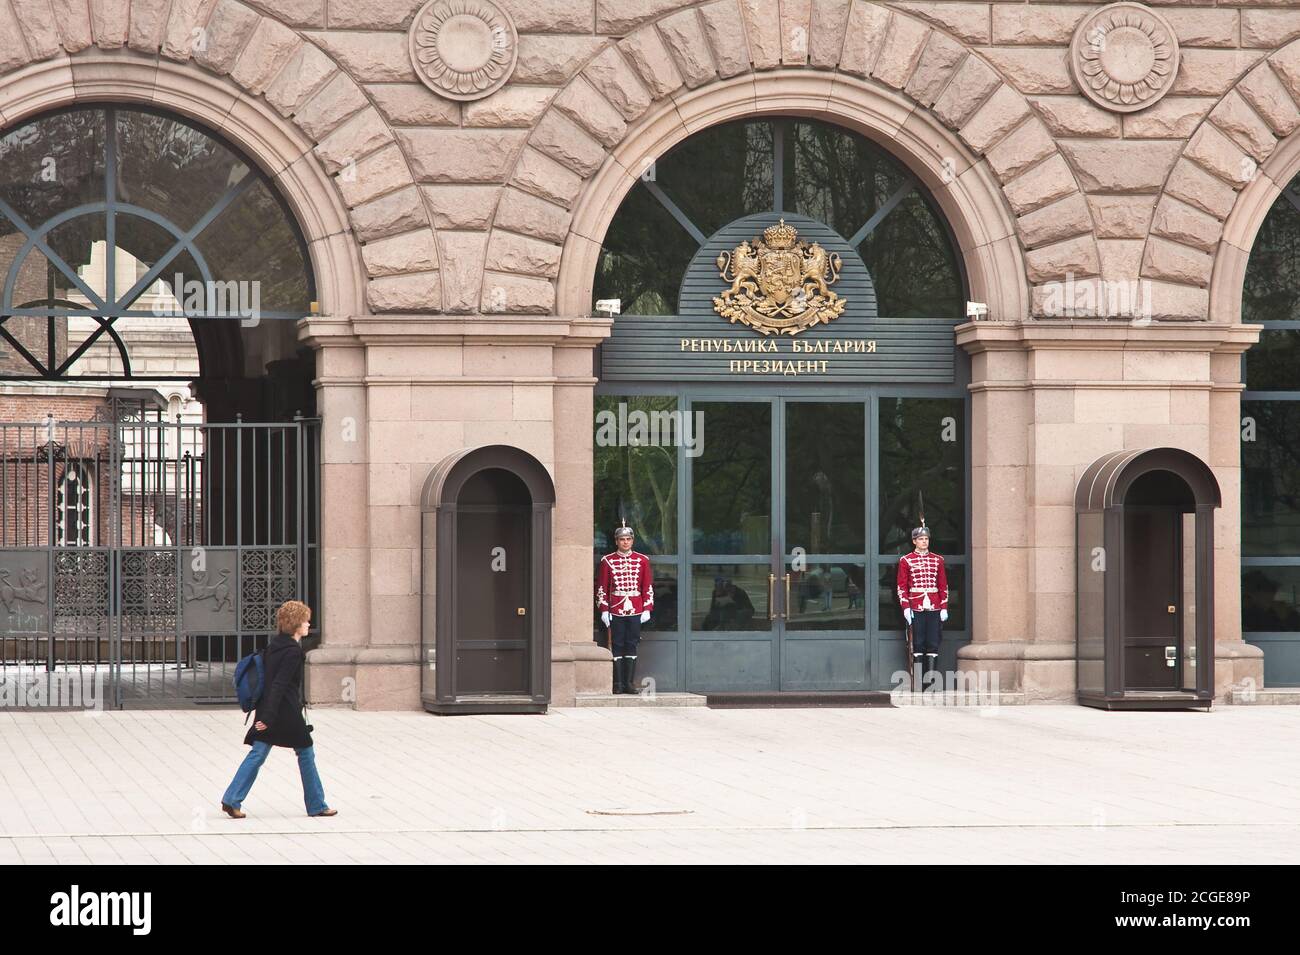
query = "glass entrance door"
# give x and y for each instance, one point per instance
(778, 521)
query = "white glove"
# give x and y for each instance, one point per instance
(604, 618)
(943, 616)
(645, 616)
(907, 615)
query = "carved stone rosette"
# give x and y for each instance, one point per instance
(1124, 57)
(463, 49)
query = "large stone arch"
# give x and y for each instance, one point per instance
(1232, 168)
(280, 97)
(1009, 193)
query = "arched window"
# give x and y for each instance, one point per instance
(786, 165)
(74, 518)
(122, 224)
(1270, 448)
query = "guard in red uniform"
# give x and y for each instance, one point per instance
(625, 597)
(923, 593)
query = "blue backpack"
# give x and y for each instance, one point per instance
(250, 679)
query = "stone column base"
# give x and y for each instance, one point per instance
(364, 678)
(1043, 672)
(1238, 666)
(583, 666)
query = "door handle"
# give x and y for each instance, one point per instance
(521, 611)
(1171, 609)
(786, 614)
(771, 596)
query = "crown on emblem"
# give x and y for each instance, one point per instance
(780, 236)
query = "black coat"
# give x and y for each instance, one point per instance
(280, 707)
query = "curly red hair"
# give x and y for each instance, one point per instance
(291, 615)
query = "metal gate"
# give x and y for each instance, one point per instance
(140, 559)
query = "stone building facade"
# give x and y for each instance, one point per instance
(454, 193)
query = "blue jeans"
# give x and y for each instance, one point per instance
(313, 792)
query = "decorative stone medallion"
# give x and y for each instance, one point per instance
(463, 49)
(1124, 57)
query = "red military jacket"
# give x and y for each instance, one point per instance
(624, 584)
(922, 582)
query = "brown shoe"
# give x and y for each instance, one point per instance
(232, 812)
(326, 812)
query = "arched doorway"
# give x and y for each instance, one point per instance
(1145, 573)
(772, 473)
(486, 583)
(159, 479)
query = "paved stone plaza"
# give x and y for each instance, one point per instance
(1042, 784)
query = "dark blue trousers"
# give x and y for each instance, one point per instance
(626, 634)
(927, 631)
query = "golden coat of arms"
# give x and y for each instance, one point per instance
(779, 284)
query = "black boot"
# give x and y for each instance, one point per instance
(629, 675)
(931, 667)
(618, 674)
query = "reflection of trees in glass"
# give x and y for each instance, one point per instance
(1273, 272)
(638, 484)
(732, 492)
(829, 174)
(1270, 474)
(824, 477)
(1273, 363)
(914, 457)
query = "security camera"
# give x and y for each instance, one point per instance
(609, 306)
(976, 310)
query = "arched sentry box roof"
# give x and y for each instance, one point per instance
(443, 486)
(1107, 481)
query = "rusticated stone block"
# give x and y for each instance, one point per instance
(1173, 302)
(549, 16)
(684, 36)
(1121, 259)
(1176, 263)
(968, 22)
(648, 56)
(110, 19)
(1033, 71)
(462, 273)
(411, 252)
(184, 30)
(382, 172)
(592, 111)
(1036, 187)
(461, 207)
(826, 32)
(413, 104)
(1027, 144)
(512, 105)
(1121, 217)
(1060, 220)
(1192, 184)
(610, 74)
(294, 13)
(396, 212)
(325, 111)
(1235, 117)
(419, 292)
(1269, 29)
(371, 14)
(528, 215)
(267, 53)
(145, 33)
(1286, 63)
(938, 62)
(622, 16)
(72, 20)
(725, 31)
(228, 29)
(904, 41)
(1074, 116)
(1043, 25)
(543, 176)
(13, 52)
(1264, 91)
(999, 114)
(794, 15)
(1077, 256)
(1182, 223)
(1121, 166)
(1198, 26)
(461, 155)
(1216, 153)
(1174, 117)
(972, 84)
(1211, 72)
(517, 294)
(763, 31)
(356, 138)
(307, 72)
(521, 255)
(563, 140)
(553, 60)
(370, 57)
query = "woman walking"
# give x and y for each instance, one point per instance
(279, 720)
